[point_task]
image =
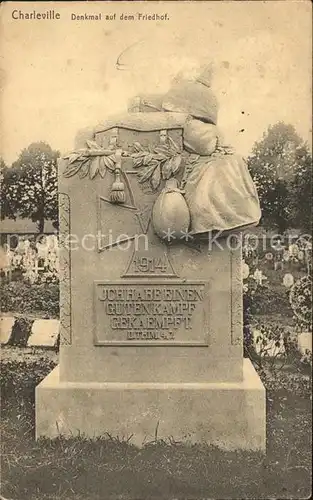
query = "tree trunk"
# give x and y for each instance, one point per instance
(41, 224)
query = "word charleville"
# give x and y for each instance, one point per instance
(48, 14)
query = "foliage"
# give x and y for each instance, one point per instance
(19, 376)
(22, 297)
(282, 379)
(2, 167)
(272, 341)
(279, 164)
(301, 300)
(266, 300)
(274, 353)
(30, 185)
(269, 342)
(7, 208)
(301, 187)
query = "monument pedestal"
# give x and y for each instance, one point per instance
(230, 415)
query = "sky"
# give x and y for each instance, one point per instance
(58, 76)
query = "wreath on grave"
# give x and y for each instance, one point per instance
(301, 299)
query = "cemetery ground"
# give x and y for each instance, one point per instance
(112, 468)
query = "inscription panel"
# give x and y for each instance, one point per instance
(159, 312)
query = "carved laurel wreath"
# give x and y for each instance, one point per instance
(154, 164)
(91, 161)
(159, 162)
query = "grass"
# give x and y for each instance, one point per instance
(108, 468)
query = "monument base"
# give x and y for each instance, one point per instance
(229, 415)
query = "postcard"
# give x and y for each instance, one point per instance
(156, 251)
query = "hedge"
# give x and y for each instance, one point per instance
(21, 297)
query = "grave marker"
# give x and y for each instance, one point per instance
(151, 330)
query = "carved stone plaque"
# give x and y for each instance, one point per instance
(158, 312)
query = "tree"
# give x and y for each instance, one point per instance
(30, 185)
(301, 201)
(278, 163)
(7, 207)
(3, 169)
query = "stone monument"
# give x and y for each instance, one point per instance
(151, 207)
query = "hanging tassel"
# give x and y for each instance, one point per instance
(118, 188)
